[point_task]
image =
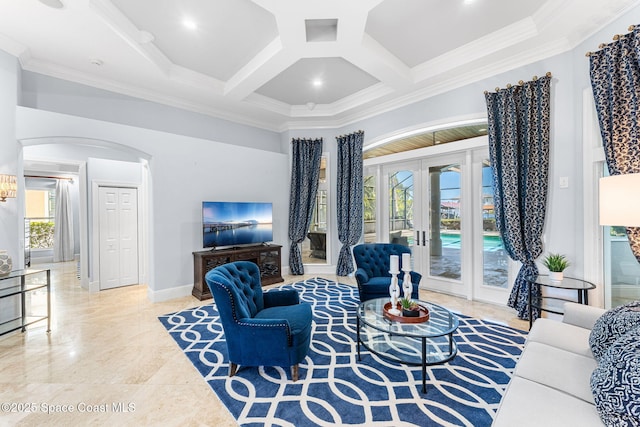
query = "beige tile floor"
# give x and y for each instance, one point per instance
(109, 360)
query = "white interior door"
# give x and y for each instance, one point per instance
(118, 237)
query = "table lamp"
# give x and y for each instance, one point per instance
(620, 200)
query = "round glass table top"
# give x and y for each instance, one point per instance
(565, 283)
(441, 321)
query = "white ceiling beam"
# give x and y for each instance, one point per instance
(126, 30)
(267, 64)
(373, 58)
(511, 35)
(291, 45)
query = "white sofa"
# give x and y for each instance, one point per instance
(551, 382)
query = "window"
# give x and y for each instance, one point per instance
(314, 247)
(370, 207)
(40, 213)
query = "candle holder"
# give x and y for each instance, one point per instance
(407, 286)
(394, 293)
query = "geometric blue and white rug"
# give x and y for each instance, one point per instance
(335, 388)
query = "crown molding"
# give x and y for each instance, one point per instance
(14, 48)
(148, 95)
(511, 35)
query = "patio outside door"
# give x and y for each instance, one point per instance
(423, 213)
(444, 231)
(442, 208)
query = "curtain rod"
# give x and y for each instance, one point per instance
(616, 37)
(548, 74)
(49, 177)
(342, 136)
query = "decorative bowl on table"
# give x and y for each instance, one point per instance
(422, 316)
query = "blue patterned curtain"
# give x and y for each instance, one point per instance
(615, 79)
(350, 208)
(518, 131)
(305, 172)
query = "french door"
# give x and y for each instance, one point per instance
(442, 208)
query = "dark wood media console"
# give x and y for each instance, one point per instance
(268, 258)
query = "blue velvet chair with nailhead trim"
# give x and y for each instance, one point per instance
(372, 273)
(261, 329)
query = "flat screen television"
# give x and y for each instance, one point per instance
(236, 223)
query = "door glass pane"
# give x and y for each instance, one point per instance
(445, 241)
(370, 209)
(494, 257)
(401, 208)
(624, 268)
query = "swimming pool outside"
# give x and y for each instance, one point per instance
(490, 243)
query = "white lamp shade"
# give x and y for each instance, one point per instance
(620, 200)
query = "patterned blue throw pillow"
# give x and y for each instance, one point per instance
(612, 325)
(615, 383)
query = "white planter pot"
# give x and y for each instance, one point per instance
(556, 276)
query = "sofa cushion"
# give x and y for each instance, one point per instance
(529, 404)
(561, 335)
(616, 382)
(612, 325)
(559, 369)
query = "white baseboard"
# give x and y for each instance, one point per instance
(169, 294)
(319, 269)
(46, 259)
(94, 286)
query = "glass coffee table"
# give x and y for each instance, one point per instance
(423, 344)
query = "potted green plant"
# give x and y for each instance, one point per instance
(409, 308)
(556, 263)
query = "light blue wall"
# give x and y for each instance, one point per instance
(52, 94)
(184, 171)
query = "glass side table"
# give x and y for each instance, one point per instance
(556, 304)
(27, 286)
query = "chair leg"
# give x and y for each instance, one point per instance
(294, 373)
(233, 368)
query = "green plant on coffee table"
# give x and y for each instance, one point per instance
(555, 262)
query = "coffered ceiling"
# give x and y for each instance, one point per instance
(282, 64)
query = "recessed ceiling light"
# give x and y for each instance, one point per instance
(317, 82)
(468, 1)
(190, 24)
(56, 4)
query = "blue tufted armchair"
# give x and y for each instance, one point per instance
(261, 329)
(372, 273)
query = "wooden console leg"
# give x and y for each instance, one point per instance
(233, 368)
(294, 373)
